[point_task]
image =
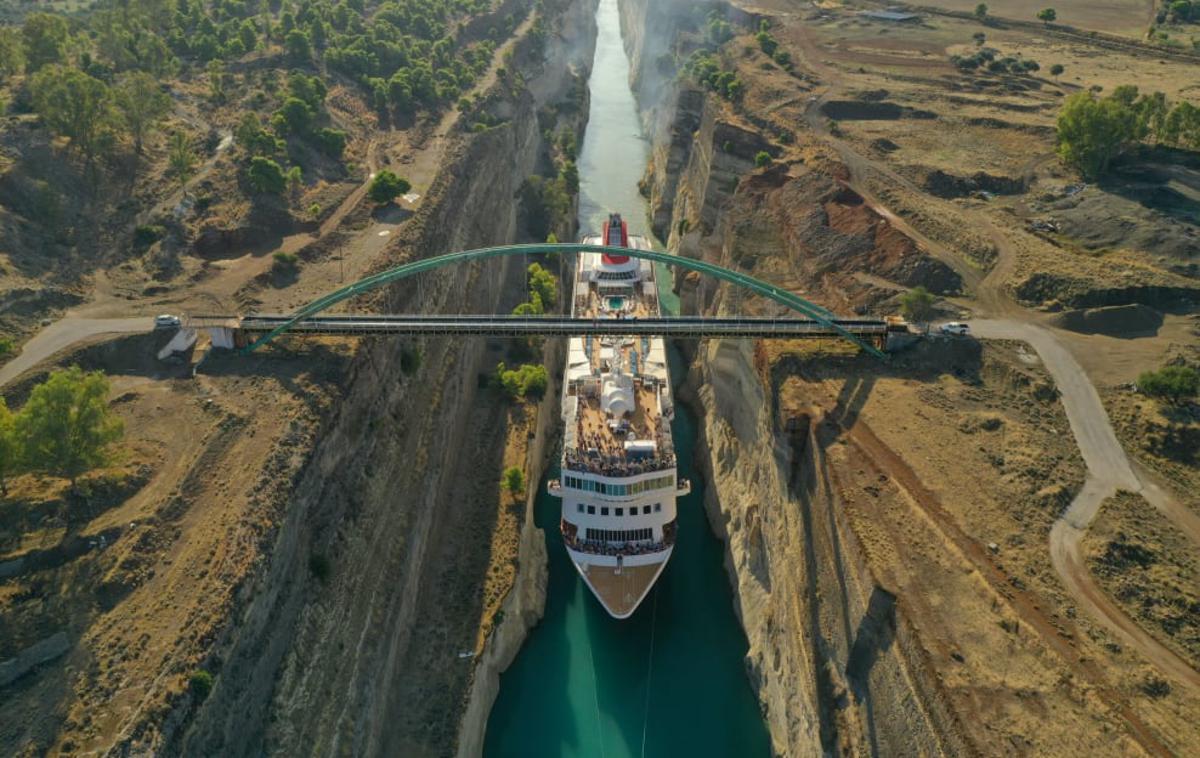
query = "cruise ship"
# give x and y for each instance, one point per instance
(618, 483)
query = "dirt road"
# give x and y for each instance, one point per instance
(1109, 469)
(64, 333)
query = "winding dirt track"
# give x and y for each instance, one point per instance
(1109, 469)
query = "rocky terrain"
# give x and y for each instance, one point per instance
(888, 528)
(284, 543)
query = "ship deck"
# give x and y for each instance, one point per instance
(594, 431)
(621, 593)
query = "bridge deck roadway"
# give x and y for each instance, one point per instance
(554, 326)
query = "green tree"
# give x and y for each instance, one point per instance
(981, 11)
(1092, 131)
(180, 158)
(45, 40)
(216, 79)
(1047, 15)
(10, 447)
(74, 105)
(254, 139)
(1182, 125)
(569, 175)
(514, 481)
(766, 42)
(1171, 383)
(142, 104)
(386, 187)
(67, 426)
(293, 117)
(762, 159)
(545, 203)
(248, 34)
(543, 287)
(266, 177)
(12, 52)
(528, 380)
(1056, 70)
(917, 305)
(200, 683)
(299, 49)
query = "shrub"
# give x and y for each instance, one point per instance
(146, 235)
(917, 305)
(1170, 383)
(331, 142)
(528, 380)
(6, 346)
(285, 263)
(386, 187)
(266, 176)
(514, 480)
(762, 159)
(200, 683)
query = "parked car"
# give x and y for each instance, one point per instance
(166, 321)
(956, 328)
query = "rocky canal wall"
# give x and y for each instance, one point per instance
(833, 661)
(310, 663)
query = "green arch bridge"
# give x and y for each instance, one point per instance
(811, 313)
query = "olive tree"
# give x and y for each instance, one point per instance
(67, 427)
(10, 446)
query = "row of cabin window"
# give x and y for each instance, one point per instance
(619, 535)
(617, 490)
(633, 511)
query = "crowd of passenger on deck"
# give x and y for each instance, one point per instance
(614, 464)
(626, 548)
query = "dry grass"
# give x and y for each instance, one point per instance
(1150, 568)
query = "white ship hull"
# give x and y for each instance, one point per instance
(618, 483)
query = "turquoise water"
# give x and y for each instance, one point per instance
(670, 680)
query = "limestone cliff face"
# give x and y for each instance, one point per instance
(309, 668)
(828, 656)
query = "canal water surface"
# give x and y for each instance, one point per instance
(670, 680)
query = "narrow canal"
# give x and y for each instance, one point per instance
(670, 680)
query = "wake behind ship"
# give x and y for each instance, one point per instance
(618, 484)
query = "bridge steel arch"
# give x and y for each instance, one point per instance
(783, 297)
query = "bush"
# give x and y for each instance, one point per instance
(146, 235)
(266, 176)
(762, 159)
(1171, 383)
(514, 480)
(545, 203)
(331, 142)
(285, 263)
(200, 683)
(6, 346)
(528, 380)
(386, 187)
(917, 305)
